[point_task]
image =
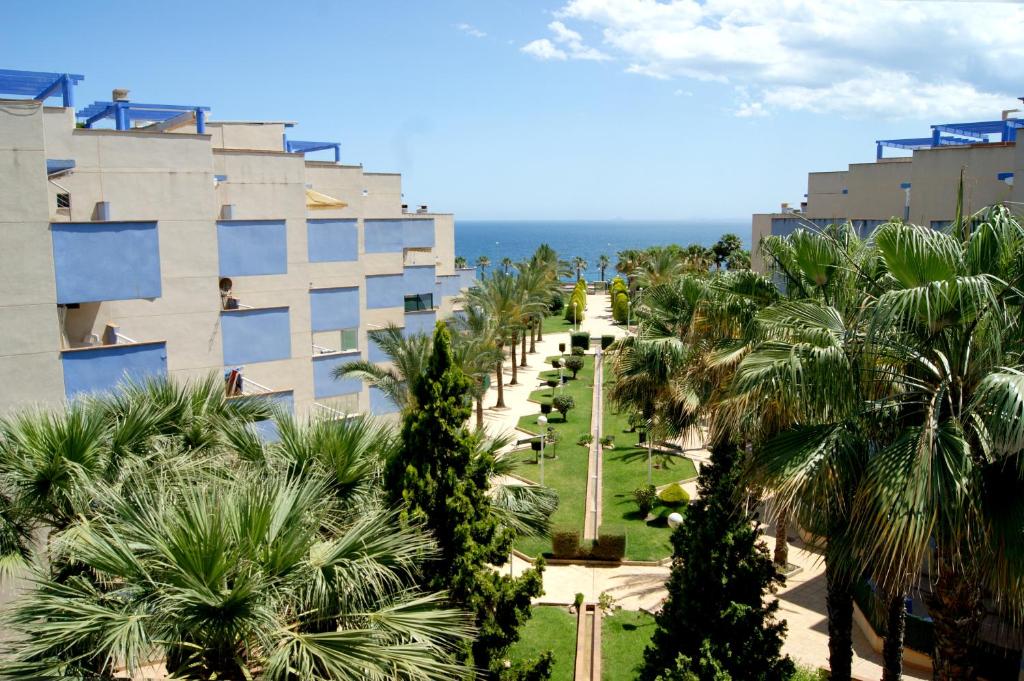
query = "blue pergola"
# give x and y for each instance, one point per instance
(914, 143)
(124, 112)
(979, 131)
(304, 147)
(40, 85)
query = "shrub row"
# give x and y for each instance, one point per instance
(609, 545)
(579, 339)
(620, 300)
(579, 297)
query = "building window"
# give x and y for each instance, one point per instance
(419, 301)
(63, 200)
(338, 340)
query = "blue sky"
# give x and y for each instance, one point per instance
(573, 109)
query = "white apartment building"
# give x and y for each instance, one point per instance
(144, 239)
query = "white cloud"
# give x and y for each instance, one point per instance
(543, 49)
(879, 57)
(572, 46)
(470, 29)
(683, 93)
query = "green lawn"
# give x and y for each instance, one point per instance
(624, 636)
(550, 628)
(566, 474)
(625, 469)
(556, 324)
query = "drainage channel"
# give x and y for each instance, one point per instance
(588, 643)
(592, 520)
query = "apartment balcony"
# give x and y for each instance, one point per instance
(101, 261)
(101, 368)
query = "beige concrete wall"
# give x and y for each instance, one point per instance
(30, 370)
(936, 176)
(761, 226)
(874, 190)
(825, 197)
(243, 135)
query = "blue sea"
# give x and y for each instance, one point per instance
(518, 239)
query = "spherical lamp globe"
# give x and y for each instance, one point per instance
(675, 520)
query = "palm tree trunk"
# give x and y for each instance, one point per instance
(955, 607)
(534, 330)
(892, 648)
(781, 557)
(479, 412)
(515, 364)
(839, 602)
(501, 388)
(540, 328)
(522, 354)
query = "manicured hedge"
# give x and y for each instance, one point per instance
(606, 341)
(611, 543)
(674, 495)
(565, 542)
(580, 339)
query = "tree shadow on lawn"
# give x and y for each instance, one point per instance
(660, 518)
(635, 453)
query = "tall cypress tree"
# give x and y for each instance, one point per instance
(716, 624)
(442, 479)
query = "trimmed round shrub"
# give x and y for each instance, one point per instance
(674, 495)
(578, 352)
(556, 363)
(574, 364)
(557, 304)
(545, 408)
(561, 348)
(606, 341)
(645, 498)
(563, 403)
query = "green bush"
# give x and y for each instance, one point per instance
(556, 363)
(565, 542)
(579, 297)
(674, 495)
(620, 307)
(578, 600)
(574, 364)
(545, 407)
(557, 304)
(578, 352)
(585, 439)
(579, 339)
(563, 403)
(606, 341)
(645, 497)
(611, 543)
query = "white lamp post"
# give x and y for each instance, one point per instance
(675, 520)
(542, 421)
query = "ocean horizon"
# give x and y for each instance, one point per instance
(518, 239)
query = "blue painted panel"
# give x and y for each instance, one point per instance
(380, 404)
(334, 308)
(333, 240)
(251, 247)
(385, 290)
(375, 354)
(268, 429)
(419, 322)
(102, 369)
(784, 226)
(106, 261)
(467, 277)
(418, 280)
(382, 236)
(451, 285)
(255, 335)
(418, 233)
(324, 383)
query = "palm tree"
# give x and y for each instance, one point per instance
(482, 263)
(724, 247)
(408, 356)
(498, 297)
(233, 575)
(579, 264)
(460, 262)
(660, 266)
(475, 349)
(602, 264)
(948, 334)
(506, 264)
